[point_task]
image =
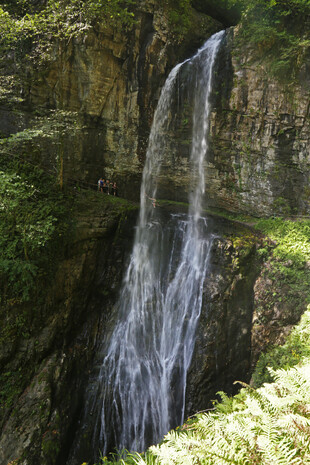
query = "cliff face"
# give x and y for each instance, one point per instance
(223, 344)
(260, 137)
(47, 367)
(106, 84)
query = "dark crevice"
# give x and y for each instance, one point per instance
(228, 16)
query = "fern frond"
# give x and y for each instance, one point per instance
(267, 426)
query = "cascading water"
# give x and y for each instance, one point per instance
(143, 376)
(140, 392)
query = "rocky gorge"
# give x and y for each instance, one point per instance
(89, 113)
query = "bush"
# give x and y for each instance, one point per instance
(279, 31)
(33, 220)
(29, 30)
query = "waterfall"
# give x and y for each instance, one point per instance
(143, 375)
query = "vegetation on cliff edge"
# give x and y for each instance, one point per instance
(38, 217)
(28, 30)
(32, 216)
(277, 30)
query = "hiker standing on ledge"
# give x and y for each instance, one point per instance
(100, 184)
(115, 189)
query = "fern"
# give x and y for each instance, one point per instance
(270, 425)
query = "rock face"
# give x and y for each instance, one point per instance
(106, 85)
(36, 427)
(223, 345)
(260, 136)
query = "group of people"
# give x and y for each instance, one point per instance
(107, 187)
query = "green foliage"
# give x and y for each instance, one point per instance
(10, 382)
(288, 268)
(31, 32)
(279, 31)
(126, 458)
(34, 212)
(229, 404)
(263, 426)
(292, 239)
(33, 215)
(281, 206)
(179, 14)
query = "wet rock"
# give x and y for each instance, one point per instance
(52, 363)
(222, 350)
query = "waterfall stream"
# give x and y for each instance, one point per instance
(143, 375)
(137, 394)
